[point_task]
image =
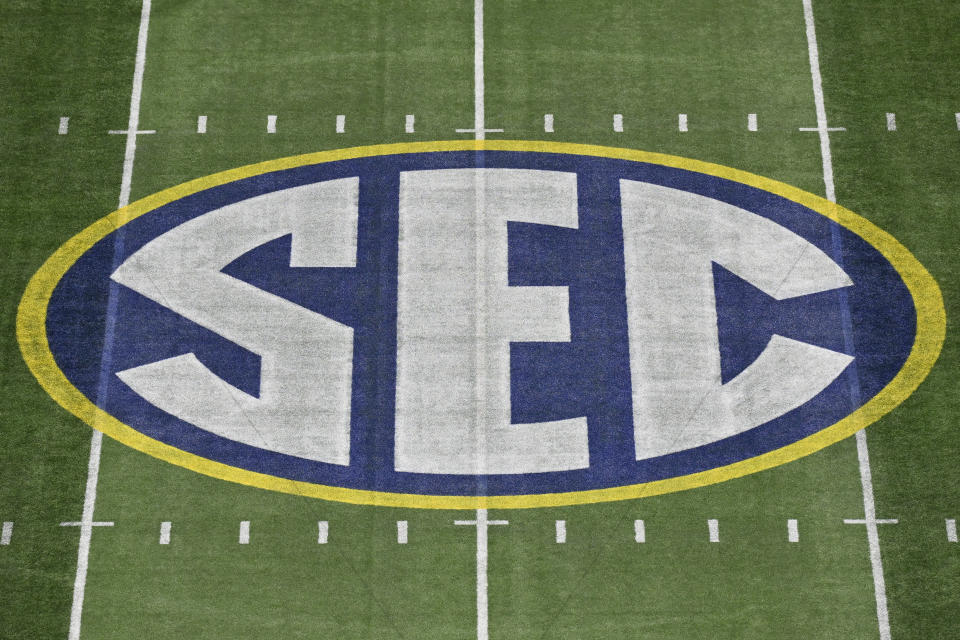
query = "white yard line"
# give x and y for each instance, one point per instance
(6, 534)
(713, 526)
(951, 530)
(408, 124)
(201, 124)
(479, 106)
(793, 532)
(271, 124)
(482, 524)
(891, 122)
(561, 531)
(64, 126)
(682, 122)
(548, 123)
(479, 129)
(402, 531)
(751, 122)
(244, 537)
(341, 123)
(863, 454)
(96, 440)
(618, 122)
(957, 116)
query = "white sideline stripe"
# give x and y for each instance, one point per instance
(408, 127)
(561, 526)
(682, 121)
(96, 440)
(863, 455)
(891, 122)
(244, 532)
(64, 126)
(548, 122)
(951, 529)
(201, 124)
(341, 123)
(271, 124)
(165, 532)
(483, 606)
(639, 531)
(793, 532)
(751, 122)
(714, 527)
(323, 530)
(6, 534)
(401, 532)
(618, 122)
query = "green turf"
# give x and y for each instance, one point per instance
(237, 62)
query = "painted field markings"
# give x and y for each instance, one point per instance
(129, 132)
(64, 126)
(548, 123)
(271, 124)
(891, 122)
(561, 531)
(408, 125)
(751, 122)
(863, 453)
(6, 533)
(483, 606)
(713, 526)
(323, 531)
(96, 440)
(244, 532)
(201, 124)
(639, 531)
(793, 532)
(401, 532)
(479, 129)
(618, 122)
(682, 122)
(341, 123)
(165, 532)
(951, 530)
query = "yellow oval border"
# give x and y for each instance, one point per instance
(931, 330)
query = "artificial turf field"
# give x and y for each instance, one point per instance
(375, 62)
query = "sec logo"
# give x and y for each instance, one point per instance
(481, 324)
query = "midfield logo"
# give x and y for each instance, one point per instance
(481, 323)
